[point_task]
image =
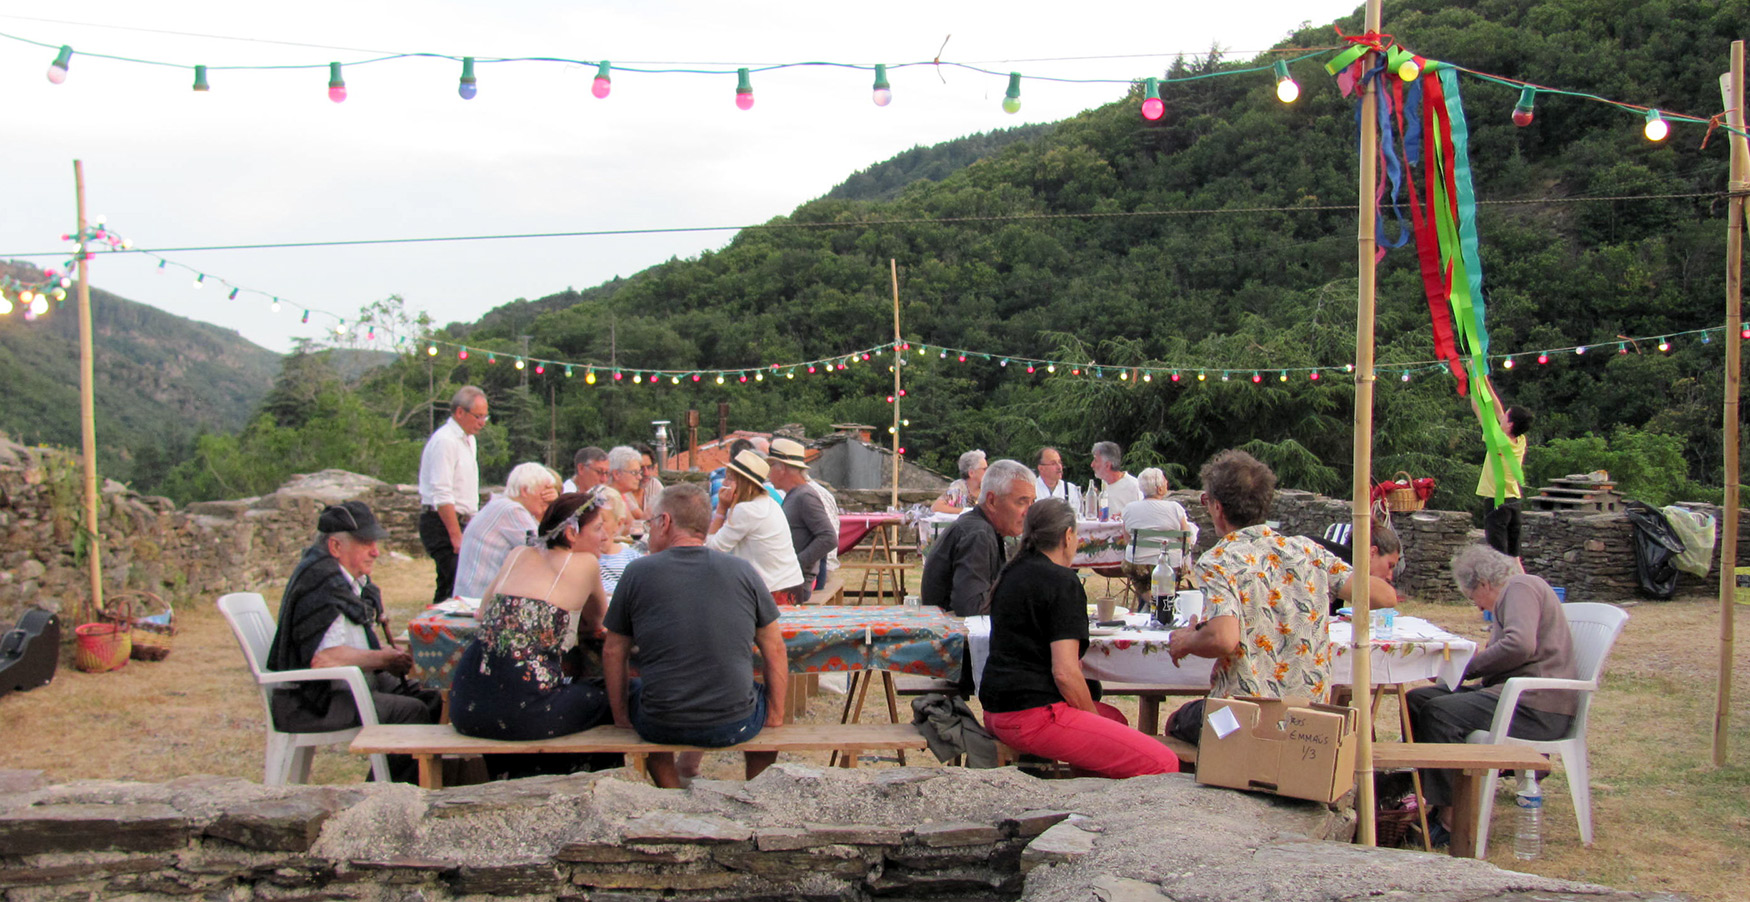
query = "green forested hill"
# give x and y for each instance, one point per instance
(1198, 242)
(160, 379)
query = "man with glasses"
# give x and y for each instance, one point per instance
(1051, 484)
(449, 484)
(651, 486)
(592, 470)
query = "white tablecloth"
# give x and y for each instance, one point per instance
(1416, 650)
(1099, 543)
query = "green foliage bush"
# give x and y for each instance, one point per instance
(1646, 466)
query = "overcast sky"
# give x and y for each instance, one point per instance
(266, 157)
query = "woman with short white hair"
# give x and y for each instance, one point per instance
(503, 524)
(963, 493)
(1154, 511)
(1529, 638)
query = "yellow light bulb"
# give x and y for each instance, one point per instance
(1409, 71)
(1287, 91)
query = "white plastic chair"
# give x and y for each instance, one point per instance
(289, 754)
(1594, 628)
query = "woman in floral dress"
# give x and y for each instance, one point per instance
(509, 683)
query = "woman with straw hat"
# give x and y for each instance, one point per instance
(751, 526)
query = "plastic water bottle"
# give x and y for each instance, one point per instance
(1528, 839)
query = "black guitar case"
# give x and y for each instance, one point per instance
(30, 653)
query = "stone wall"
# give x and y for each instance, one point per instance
(201, 551)
(795, 833)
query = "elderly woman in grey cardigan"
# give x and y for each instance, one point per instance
(1529, 639)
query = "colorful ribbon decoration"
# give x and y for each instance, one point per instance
(1425, 114)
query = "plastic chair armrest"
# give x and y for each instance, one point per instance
(352, 676)
(1511, 690)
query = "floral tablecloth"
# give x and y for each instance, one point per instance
(819, 638)
(1099, 543)
(853, 527)
(1416, 650)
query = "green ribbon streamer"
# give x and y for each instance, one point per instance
(1342, 60)
(1458, 253)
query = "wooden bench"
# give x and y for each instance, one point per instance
(1470, 763)
(428, 742)
(832, 592)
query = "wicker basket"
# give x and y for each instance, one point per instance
(153, 633)
(101, 647)
(1403, 498)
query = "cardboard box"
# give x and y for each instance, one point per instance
(1290, 747)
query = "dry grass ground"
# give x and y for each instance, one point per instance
(1665, 819)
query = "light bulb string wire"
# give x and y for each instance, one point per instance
(841, 361)
(835, 362)
(979, 67)
(869, 223)
(647, 69)
(1162, 368)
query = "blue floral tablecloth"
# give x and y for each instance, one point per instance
(819, 639)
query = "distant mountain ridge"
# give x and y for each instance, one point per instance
(160, 379)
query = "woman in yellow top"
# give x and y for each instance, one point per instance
(1501, 521)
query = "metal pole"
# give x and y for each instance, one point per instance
(1740, 183)
(898, 355)
(1361, 534)
(87, 405)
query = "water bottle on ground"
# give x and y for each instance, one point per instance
(1528, 838)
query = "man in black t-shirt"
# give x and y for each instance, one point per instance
(695, 616)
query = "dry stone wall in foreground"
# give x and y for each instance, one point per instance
(795, 833)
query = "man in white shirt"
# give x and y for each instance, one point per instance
(1051, 484)
(1121, 488)
(327, 618)
(449, 484)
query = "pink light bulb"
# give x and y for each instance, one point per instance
(337, 93)
(1153, 109)
(600, 88)
(744, 101)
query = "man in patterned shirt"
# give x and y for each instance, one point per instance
(1266, 624)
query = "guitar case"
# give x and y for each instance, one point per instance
(30, 653)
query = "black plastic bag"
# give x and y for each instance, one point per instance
(1657, 546)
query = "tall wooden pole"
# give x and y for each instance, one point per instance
(87, 404)
(1739, 183)
(1361, 534)
(898, 356)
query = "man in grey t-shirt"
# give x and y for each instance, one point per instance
(695, 616)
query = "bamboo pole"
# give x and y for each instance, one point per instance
(87, 404)
(898, 355)
(1361, 533)
(1739, 182)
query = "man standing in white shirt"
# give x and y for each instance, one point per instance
(1121, 488)
(1051, 484)
(449, 484)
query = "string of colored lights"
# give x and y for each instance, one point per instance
(1656, 121)
(1201, 371)
(110, 242)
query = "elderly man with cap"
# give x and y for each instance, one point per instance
(813, 534)
(751, 526)
(326, 619)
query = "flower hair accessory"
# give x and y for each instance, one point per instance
(535, 540)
